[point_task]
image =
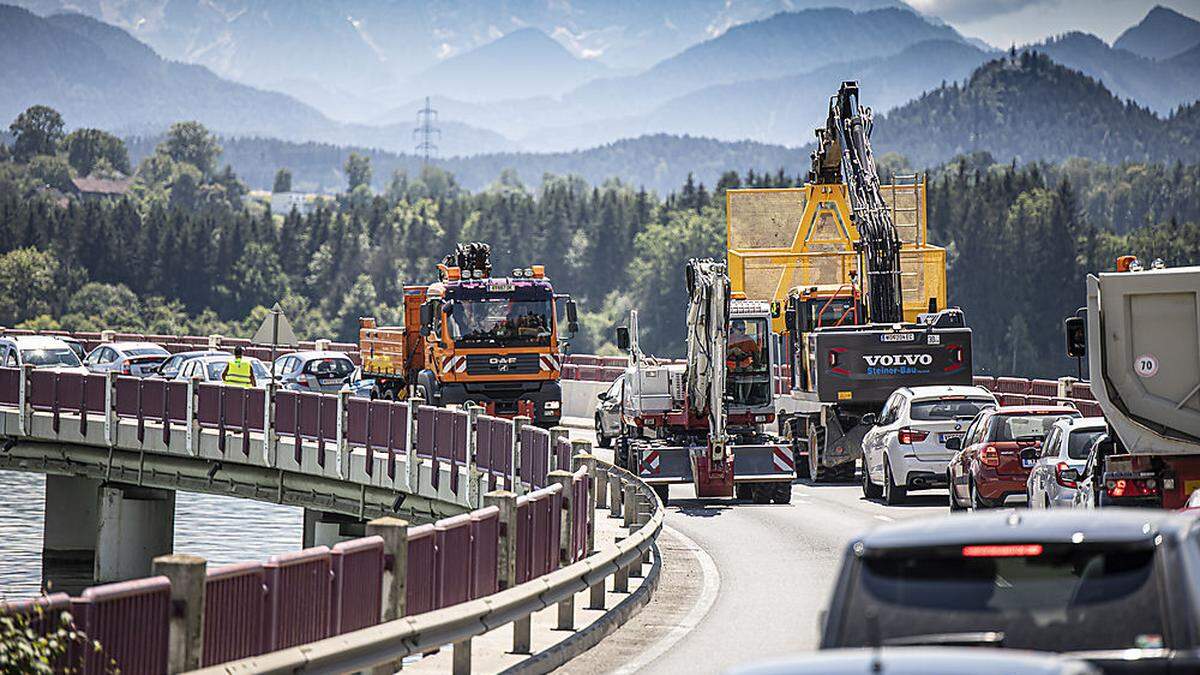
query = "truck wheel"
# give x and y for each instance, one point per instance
(869, 489)
(743, 492)
(663, 492)
(892, 493)
(783, 493)
(763, 493)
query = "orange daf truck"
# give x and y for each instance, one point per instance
(472, 337)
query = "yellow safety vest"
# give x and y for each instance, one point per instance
(237, 373)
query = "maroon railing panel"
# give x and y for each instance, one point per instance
(41, 388)
(1012, 385)
(129, 619)
(421, 585)
(286, 418)
(42, 614)
(555, 513)
(580, 493)
(459, 448)
(1039, 400)
(1043, 388)
(235, 604)
(1089, 408)
(177, 393)
(357, 584)
(310, 415)
(1082, 390)
(328, 413)
(298, 588)
(208, 408)
(525, 509)
(485, 551)
(984, 381)
(452, 540)
(1011, 399)
(10, 386)
(542, 524)
(426, 430)
(562, 454)
(358, 411)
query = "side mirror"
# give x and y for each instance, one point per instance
(623, 338)
(954, 443)
(1076, 330)
(603, 396)
(870, 419)
(572, 312)
(1070, 474)
(427, 310)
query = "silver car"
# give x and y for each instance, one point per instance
(212, 369)
(170, 368)
(1054, 477)
(38, 351)
(608, 413)
(313, 371)
(139, 359)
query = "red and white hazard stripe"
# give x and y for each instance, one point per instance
(455, 364)
(549, 362)
(650, 463)
(782, 458)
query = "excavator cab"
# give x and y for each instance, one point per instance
(750, 361)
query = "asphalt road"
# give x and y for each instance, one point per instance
(776, 566)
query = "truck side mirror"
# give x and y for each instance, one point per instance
(426, 318)
(623, 338)
(572, 312)
(1076, 330)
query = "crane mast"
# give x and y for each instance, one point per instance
(843, 155)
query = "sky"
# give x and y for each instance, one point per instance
(1002, 23)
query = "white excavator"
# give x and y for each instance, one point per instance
(702, 421)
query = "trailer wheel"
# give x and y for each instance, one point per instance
(783, 493)
(663, 492)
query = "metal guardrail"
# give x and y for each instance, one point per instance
(389, 642)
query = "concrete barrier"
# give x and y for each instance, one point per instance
(579, 397)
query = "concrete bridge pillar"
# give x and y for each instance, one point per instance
(69, 532)
(135, 525)
(327, 529)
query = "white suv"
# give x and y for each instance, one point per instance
(39, 351)
(906, 448)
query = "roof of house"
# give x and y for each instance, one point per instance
(103, 186)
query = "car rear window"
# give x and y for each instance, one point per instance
(147, 351)
(1064, 598)
(330, 367)
(948, 408)
(1023, 427)
(1079, 442)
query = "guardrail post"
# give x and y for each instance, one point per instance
(506, 560)
(566, 538)
(474, 493)
(185, 644)
(25, 419)
(394, 532)
(192, 426)
(411, 464)
(614, 494)
(519, 423)
(461, 663)
(645, 509)
(341, 444)
(630, 501)
(581, 457)
(110, 409)
(269, 436)
(621, 578)
(557, 433)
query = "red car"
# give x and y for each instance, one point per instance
(996, 453)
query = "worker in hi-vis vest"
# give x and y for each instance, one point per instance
(238, 372)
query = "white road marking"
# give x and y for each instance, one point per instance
(708, 597)
(886, 519)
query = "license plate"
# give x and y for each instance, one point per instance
(1026, 463)
(330, 380)
(942, 438)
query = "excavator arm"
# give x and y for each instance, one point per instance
(707, 341)
(843, 155)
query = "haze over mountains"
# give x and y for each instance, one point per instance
(520, 77)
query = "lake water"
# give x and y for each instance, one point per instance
(220, 529)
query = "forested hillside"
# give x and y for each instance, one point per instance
(185, 250)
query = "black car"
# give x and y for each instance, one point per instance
(1118, 588)
(920, 661)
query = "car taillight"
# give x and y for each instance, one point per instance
(1002, 551)
(125, 368)
(990, 456)
(1059, 469)
(1131, 487)
(909, 436)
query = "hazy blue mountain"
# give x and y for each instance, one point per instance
(98, 75)
(1163, 33)
(344, 56)
(1030, 108)
(784, 44)
(1161, 85)
(521, 64)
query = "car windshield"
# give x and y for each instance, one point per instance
(507, 318)
(948, 408)
(330, 367)
(51, 356)
(1024, 427)
(171, 366)
(1080, 442)
(1052, 598)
